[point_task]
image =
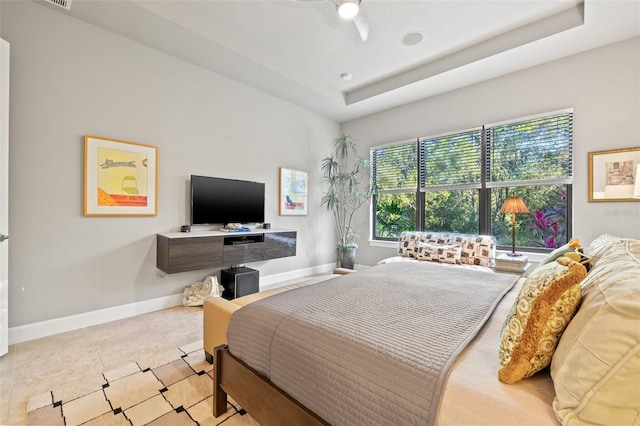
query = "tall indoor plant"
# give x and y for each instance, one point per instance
(350, 187)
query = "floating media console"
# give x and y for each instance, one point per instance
(181, 252)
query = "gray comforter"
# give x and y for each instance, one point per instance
(372, 347)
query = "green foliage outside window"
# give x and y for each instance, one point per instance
(530, 159)
(395, 213)
(452, 211)
(545, 226)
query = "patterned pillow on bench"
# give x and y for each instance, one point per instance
(447, 247)
(478, 250)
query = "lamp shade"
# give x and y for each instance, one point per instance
(514, 205)
(636, 187)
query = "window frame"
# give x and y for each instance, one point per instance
(484, 191)
(378, 191)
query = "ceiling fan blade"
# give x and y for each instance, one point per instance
(362, 26)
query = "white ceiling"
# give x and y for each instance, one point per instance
(297, 49)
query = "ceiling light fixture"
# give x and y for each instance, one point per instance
(346, 76)
(348, 9)
(412, 38)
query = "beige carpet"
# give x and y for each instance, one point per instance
(174, 388)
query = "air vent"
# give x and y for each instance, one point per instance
(66, 4)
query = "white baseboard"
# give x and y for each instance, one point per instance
(271, 281)
(37, 330)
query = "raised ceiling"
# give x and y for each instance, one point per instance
(298, 49)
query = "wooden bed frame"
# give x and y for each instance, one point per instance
(267, 403)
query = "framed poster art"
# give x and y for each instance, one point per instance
(293, 192)
(120, 178)
(614, 175)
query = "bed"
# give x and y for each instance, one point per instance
(284, 369)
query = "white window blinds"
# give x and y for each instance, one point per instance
(530, 152)
(451, 161)
(394, 167)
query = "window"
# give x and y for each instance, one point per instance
(457, 182)
(532, 159)
(450, 180)
(395, 178)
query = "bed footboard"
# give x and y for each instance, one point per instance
(267, 404)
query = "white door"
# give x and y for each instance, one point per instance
(4, 197)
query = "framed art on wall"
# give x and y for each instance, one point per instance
(293, 192)
(120, 178)
(614, 175)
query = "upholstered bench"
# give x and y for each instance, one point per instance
(217, 312)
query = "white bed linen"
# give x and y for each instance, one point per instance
(474, 396)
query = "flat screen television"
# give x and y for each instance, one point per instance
(221, 201)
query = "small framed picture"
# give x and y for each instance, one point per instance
(614, 175)
(293, 192)
(120, 178)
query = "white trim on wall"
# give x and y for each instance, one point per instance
(40, 329)
(275, 280)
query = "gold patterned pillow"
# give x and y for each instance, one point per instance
(546, 303)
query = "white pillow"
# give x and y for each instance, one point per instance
(600, 246)
(596, 366)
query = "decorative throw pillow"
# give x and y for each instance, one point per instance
(478, 250)
(601, 245)
(596, 366)
(546, 302)
(439, 238)
(579, 257)
(408, 245)
(572, 245)
(443, 253)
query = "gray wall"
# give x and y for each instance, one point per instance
(69, 79)
(603, 87)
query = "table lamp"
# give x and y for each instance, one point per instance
(513, 205)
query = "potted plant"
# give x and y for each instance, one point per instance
(349, 188)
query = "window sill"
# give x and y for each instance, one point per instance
(385, 244)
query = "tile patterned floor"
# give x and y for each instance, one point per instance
(67, 366)
(148, 369)
(172, 388)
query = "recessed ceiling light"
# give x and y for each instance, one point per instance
(412, 38)
(346, 76)
(348, 9)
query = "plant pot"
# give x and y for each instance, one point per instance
(347, 257)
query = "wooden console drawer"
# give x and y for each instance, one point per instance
(280, 244)
(242, 253)
(188, 254)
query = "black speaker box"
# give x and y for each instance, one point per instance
(238, 282)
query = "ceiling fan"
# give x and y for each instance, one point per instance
(349, 10)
